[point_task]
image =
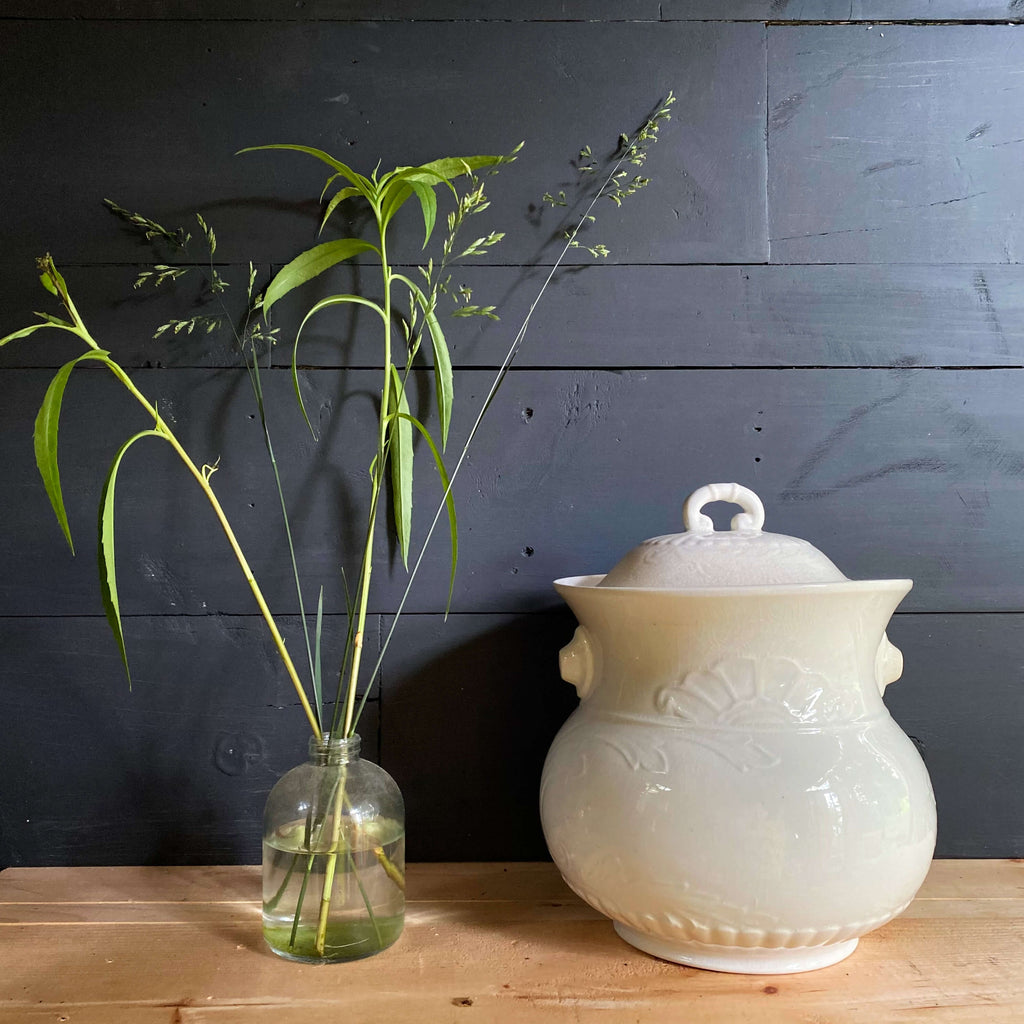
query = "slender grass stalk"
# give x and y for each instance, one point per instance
(55, 284)
(253, 368)
(301, 898)
(332, 860)
(222, 518)
(630, 152)
(385, 195)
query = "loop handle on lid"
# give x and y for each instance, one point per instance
(751, 518)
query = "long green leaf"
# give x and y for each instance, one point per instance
(338, 197)
(428, 204)
(331, 300)
(363, 184)
(449, 501)
(400, 456)
(24, 332)
(394, 196)
(444, 387)
(45, 436)
(452, 166)
(309, 264)
(108, 573)
(56, 321)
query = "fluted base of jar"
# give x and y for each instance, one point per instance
(737, 960)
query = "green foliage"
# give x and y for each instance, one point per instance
(149, 228)
(45, 435)
(160, 273)
(392, 463)
(620, 184)
(108, 571)
(310, 264)
(457, 182)
(448, 500)
(399, 431)
(208, 324)
(46, 456)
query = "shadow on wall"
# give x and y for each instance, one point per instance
(175, 770)
(468, 711)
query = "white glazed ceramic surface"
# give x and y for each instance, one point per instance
(732, 791)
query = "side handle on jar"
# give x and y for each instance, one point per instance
(577, 662)
(888, 663)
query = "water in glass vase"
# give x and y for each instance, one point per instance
(362, 878)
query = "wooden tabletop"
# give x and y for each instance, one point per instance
(483, 942)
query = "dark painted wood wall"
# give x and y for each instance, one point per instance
(820, 295)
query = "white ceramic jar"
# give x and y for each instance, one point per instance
(731, 790)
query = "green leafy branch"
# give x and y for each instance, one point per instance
(632, 149)
(392, 463)
(150, 229)
(45, 442)
(620, 183)
(179, 239)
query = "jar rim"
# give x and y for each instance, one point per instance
(346, 747)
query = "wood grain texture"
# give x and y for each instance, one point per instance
(895, 144)
(601, 316)
(919, 11)
(898, 472)
(863, 374)
(341, 10)
(466, 711)
(398, 92)
(175, 770)
(496, 942)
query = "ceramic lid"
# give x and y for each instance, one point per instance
(742, 556)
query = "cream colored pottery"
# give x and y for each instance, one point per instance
(732, 791)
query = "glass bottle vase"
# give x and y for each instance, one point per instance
(333, 857)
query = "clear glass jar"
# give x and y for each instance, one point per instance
(333, 857)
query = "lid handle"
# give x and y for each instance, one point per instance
(751, 518)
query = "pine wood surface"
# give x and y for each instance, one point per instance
(483, 942)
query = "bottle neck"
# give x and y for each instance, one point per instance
(333, 751)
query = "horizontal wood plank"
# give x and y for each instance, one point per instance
(523, 957)
(185, 759)
(498, 676)
(207, 89)
(918, 11)
(175, 770)
(339, 10)
(962, 680)
(603, 316)
(898, 472)
(956, 881)
(428, 882)
(895, 144)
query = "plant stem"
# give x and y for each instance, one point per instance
(495, 385)
(363, 594)
(203, 481)
(301, 899)
(378, 477)
(254, 377)
(332, 862)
